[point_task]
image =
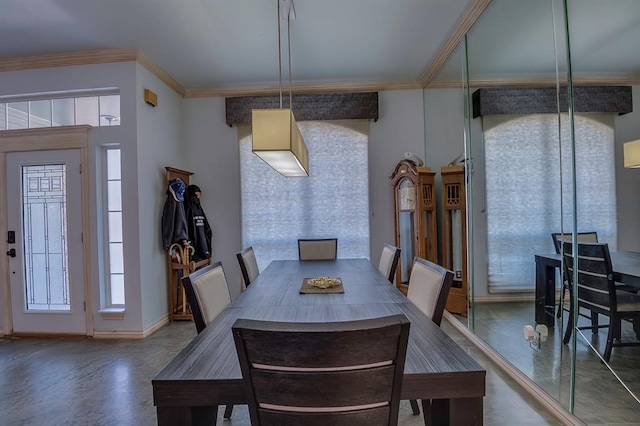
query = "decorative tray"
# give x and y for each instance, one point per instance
(321, 285)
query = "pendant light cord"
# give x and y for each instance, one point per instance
(279, 57)
(289, 53)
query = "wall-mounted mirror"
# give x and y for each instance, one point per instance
(538, 169)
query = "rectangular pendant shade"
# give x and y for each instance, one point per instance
(278, 141)
(632, 154)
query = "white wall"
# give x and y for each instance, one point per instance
(400, 128)
(212, 153)
(160, 144)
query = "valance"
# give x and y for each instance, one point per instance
(306, 107)
(543, 100)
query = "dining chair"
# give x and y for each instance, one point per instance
(558, 238)
(389, 261)
(207, 294)
(597, 292)
(248, 265)
(429, 286)
(318, 249)
(332, 373)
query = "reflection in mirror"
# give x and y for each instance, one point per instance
(523, 184)
(604, 50)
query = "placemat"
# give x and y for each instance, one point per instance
(307, 288)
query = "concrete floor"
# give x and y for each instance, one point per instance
(64, 381)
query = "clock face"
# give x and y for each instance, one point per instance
(406, 196)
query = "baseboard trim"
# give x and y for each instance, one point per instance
(539, 394)
(509, 297)
(132, 334)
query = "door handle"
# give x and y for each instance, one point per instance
(11, 252)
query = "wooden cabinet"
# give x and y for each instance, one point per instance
(454, 235)
(415, 217)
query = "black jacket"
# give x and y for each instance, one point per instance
(174, 220)
(199, 230)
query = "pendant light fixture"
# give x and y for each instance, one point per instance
(632, 154)
(276, 136)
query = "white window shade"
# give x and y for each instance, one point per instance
(332, 202)
(523, 170)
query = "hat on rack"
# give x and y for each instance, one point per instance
(177, 187)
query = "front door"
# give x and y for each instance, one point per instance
(44, 218)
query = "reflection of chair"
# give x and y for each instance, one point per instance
(429, 287)
(558, 239)
(208, 294)
(319, 249)
(248, 265)
(389, 261)
(336, 373)
(597, 292)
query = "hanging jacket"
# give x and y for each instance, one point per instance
(199, 230)
(174, 220)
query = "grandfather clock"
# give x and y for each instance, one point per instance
(454, 235)
(415, 217)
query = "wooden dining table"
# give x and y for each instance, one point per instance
(206, 373)
(626, 270)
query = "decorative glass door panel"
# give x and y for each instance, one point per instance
(44, 222)
(44, 212)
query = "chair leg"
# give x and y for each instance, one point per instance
(227, 411)
(594, 322)
(561, 302)
(636, 327)
(414, 407)
(610, 334)
(426, 410)
(567, 333)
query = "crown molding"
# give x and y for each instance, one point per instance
(537, 82)
(469, 18)
(161, 74)
(303, 88)
(68, 59)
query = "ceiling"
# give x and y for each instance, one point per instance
(233, 43)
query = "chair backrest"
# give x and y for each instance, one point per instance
(207, 293)
(583, 237)
(318, 249)
(248, 265)
(333, 373)
(596, 286)
(429, 286)
(389, 261)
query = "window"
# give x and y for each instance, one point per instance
(332, 202)
(99, 107)
(113, 236)
(523, 189)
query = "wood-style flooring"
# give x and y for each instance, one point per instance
(73, 381)
(600, 398)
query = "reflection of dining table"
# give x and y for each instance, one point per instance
(207, 373)
(626, 270)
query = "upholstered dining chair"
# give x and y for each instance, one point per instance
(558, 238)
(597, 292)
(332, 373)
(208, 294)
(389, 261)
(248, 265)
(429, 286)
(318, 249)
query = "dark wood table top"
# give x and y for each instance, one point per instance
(207, 371)
(626, 266)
